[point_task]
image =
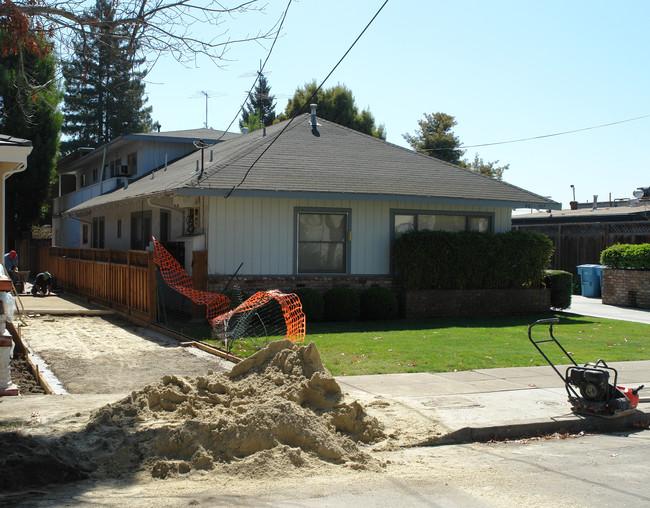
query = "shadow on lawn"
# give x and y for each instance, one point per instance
(438, 323)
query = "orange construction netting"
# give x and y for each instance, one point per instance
(176, 278)
(294, 318)
(217, 304)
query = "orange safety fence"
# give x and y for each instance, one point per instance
(176, 278)
(294, 317)
(217, 304)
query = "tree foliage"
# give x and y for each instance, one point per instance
(335, 104)
(104, 95)
(36, 117)
(485, 168)
(260, 106)
(437, 139)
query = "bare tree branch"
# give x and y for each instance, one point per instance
(176, 27)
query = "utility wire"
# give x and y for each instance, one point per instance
(307, 101)
(542, 136)
(261, 71)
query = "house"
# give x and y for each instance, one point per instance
(13, 159)
(581, 233)
(302, 202)
(87, 173)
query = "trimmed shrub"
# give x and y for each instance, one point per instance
(342, 304)
(472, 260)
(561, 285)
(627, 256)
(313, 304)
(378, 303)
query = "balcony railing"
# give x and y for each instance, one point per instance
(67, 201)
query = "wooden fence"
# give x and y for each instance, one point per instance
(123, 280)
(581, 243)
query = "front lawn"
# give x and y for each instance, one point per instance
(442, 345)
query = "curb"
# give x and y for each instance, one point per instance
(636, 421)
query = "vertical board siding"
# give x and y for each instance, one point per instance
(260, 232)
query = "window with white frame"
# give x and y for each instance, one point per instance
(322, 241)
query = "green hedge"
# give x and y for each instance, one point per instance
(378, 303)
(561, 285)
(627, 256)
(342, 304)
(472, 260)
(313, 304)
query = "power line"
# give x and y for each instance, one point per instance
(308, 101)
(543, 135)
(261, 71)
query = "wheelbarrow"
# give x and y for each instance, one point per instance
(588, 387)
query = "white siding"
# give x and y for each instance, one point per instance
(261, 232)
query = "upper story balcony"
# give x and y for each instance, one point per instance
(67, 201)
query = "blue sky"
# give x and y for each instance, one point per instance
(504, 70)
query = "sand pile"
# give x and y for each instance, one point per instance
(276, 409)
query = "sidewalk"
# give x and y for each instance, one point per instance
(58, 304)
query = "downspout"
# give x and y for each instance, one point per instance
(101, 174)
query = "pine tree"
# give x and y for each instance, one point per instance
(260, 104)
(30, 111)
(105, 94)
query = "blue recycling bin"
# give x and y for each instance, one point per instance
(591, 278)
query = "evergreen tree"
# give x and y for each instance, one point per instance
(29, 110)
(105, 94)
(436, 138)
(261, 104)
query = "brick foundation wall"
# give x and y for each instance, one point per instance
(627, 288)
(252, 284)
(475, 303)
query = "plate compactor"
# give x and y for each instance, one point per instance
(589, 388)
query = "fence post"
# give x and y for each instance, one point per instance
(152, 289)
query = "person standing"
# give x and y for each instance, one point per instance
(42, 284)
(11, 267)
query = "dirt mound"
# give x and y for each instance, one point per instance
(279, 408)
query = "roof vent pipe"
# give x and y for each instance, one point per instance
(313, 115)
(595, 202)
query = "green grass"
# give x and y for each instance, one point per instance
(442, 345)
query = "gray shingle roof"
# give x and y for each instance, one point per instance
(332, 161)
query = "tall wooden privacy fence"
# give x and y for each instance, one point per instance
(581, 243)
(123, 280)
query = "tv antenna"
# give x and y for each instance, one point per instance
(207, 95)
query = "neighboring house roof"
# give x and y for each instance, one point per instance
(329, 162)
(635, 211)
(82, 156)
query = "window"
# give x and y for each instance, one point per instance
(119, 228)
(403, 222)
(94, 175)
(322, 241)
(164, 226)
(84, 233)
(140, 230)
(98, 232)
